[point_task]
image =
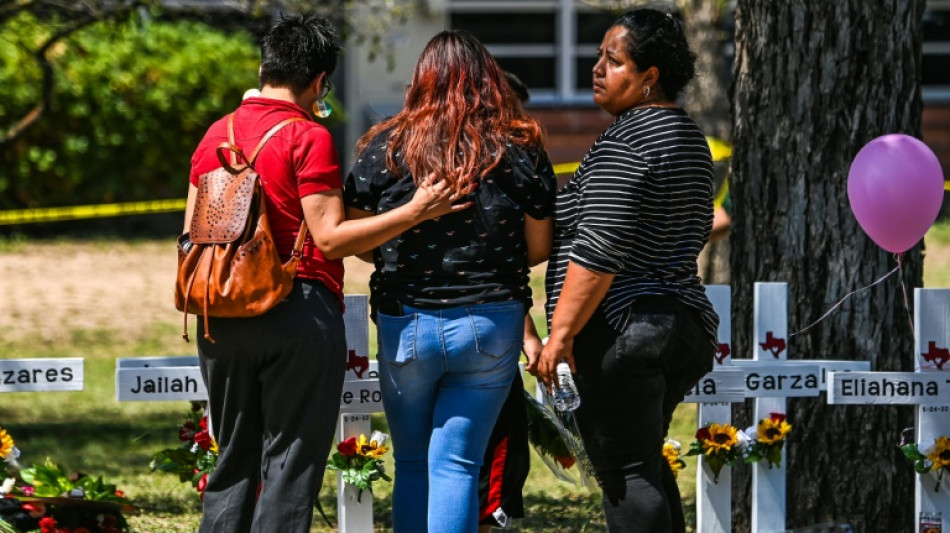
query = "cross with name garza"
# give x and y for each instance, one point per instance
(769, 377)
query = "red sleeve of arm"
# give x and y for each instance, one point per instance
(316, 161)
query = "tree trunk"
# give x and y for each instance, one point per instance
(814, 82)
(707, 100)
(707, 97)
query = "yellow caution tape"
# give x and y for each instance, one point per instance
(721, 150)
(55, 214)
(566, 168)
(721, 195)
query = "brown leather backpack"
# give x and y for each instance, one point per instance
(228, 265)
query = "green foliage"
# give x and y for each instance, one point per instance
(130, 103)
(191, 460)
(50, 480)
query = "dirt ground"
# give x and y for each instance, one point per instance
(49, 290)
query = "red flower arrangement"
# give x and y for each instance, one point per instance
(359, 461)
(197, 456)
(45, 498)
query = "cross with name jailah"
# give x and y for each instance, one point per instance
(147, 379)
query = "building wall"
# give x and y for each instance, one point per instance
(572, 122)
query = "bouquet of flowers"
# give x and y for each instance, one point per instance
(360, 461)
(556, 438)
(45, 498)
(720, 445)
(546, 435)
(197, 456)
(934, 458)
(768, 439)
(671, 452)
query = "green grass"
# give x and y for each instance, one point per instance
(90, 432)
(937, 258)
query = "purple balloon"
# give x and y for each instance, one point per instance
(895, 187)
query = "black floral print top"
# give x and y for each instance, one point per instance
(474, 256)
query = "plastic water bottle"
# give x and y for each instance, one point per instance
(566, 398)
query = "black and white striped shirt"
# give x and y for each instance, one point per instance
(640, 206)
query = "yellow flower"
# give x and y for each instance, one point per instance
(672, 454)
(214, 446)
(941, 453)
(369, 448)
(721, 438)
(771, 431)
(6, 443)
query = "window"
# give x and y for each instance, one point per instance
(550, 44)
(935, 69)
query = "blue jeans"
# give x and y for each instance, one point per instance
(444, 375)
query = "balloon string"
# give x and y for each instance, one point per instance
(910, 319)
(850, 294)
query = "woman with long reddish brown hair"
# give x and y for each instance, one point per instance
(450, 297)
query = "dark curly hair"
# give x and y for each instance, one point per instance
(296, 50)
(655, 38)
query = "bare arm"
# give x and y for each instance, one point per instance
(538, 235)
(190, 206)
(337, 238)
(353, 213)
(532, 342)
(582, 292)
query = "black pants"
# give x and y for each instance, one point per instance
(507, 460)
(274, 385)
(630, 383)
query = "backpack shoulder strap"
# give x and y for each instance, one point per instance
(267, 136)
(302, 233)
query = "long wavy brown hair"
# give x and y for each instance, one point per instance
(460, 114)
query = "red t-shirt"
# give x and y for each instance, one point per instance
(298, 161)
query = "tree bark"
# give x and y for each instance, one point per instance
(707, 96)
(707, 101)
(814, 82)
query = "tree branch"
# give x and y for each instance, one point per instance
(90, 16)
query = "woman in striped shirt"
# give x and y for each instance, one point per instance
(625, 306)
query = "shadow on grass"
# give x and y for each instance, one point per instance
(98, 447)
(544, 513)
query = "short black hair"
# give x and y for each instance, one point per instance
(298, 49)
(656, 38)
(518, 87)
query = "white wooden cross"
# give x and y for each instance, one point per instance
(798, 378)
(769, 380)
(360, 398)
(928, 387)
(714, 498)
(769, 377)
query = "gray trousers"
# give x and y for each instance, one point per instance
(274, 384)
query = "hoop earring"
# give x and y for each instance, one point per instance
(321, 109)
(646, 91)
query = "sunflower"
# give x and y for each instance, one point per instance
(6, 443)
(721, 438)
(671, 451)
(772, 430)
(941, 453)
(370, 448)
